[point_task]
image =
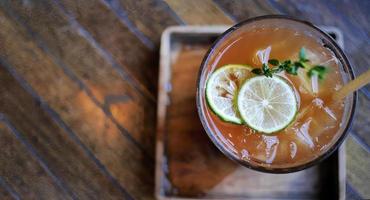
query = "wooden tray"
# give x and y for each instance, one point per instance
(188, 165)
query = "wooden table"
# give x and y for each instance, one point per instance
(78, 85)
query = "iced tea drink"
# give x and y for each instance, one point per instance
(285, 120)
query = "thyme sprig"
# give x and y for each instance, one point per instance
(291, 67)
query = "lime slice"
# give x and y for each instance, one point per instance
(221, 91)
(267, 104)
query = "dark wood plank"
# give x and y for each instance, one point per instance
(23, 172)
(356, 28)
(361, 123)
(203, 12)
(135, 55)
(62, 39)
(6, 193)
(123, 158)
(358, 166)
(93, 68)
(244, 9)
(148, 16)
(87, 67)
(351, 192)
(80, 176)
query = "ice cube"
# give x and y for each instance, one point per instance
(305, 81)
(333, 61)
(261, 156)
(316, 57)
(322, 123)
(302, 133)
(264, 54)
(244, 154)
(315, 83)
(293, 149)
(303, 111)
(324, 109)
(271, 143)
(323, 117)
(287, 149)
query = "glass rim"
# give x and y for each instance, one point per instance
(346, 66)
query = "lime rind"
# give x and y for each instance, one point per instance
(224, 107)
(263, 108)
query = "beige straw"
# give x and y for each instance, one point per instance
(352, 86)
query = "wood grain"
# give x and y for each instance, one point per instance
(195, 12)
(195, 165)
(351, 193)
(64, 158)
(361, 123)
(244, 9)
(4, 191)
(150, 17)
(135, 55)
(86, 67)
(78, 81)
(23, 172)
(4, 195)
(55, 33)
(123, 158)
(358, 165)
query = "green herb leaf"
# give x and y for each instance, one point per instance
(265, 68)
(291, 70)
(299, 64)
(291, 67)
(302, 54)
(257, 71)
(285, 65)
(274, 62)
(269, 74)
(319, 70)
(277, 69)
(304, 60)
(287, 62)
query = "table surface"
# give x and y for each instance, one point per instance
(78, 87)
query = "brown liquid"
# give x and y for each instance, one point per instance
(318, 120)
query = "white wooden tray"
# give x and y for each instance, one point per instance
(188, 166)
